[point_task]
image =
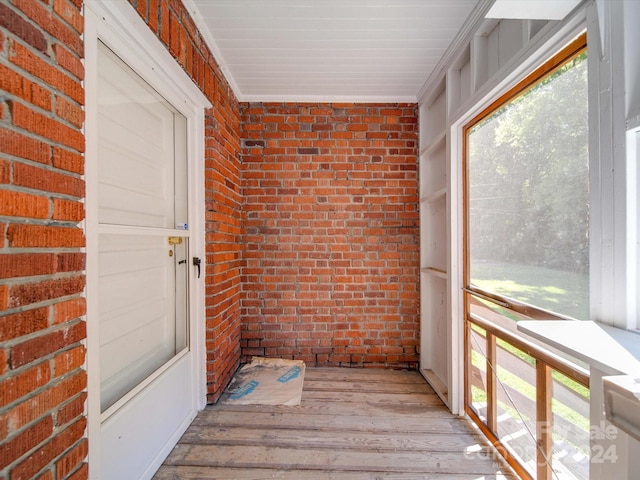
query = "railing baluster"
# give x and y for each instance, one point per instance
(544, 421)
(492, 384)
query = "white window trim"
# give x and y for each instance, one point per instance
(633, 231)
(118, 25)
(608, 230)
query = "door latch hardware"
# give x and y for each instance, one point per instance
(175, 240)
(196, 263)
(181, 262)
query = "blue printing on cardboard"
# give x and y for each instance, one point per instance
(244, 390)
(290, 374)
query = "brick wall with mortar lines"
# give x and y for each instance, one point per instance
(42, 324)
(331, 261)
(171, 23)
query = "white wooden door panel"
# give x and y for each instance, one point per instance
(146, 384)
(135, 449)
(146, 362)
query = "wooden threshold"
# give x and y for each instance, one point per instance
(352, 424)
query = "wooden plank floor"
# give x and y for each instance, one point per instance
(352, 424)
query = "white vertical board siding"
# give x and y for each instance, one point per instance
(632, 106)
(612, 302)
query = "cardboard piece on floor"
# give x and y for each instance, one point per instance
(267, 381)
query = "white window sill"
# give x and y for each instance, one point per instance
(608, 351)
(612, 351)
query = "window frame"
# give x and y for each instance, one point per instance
(546, 361)
(572, 50)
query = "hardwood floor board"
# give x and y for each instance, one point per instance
(324, 408)
(259, 456)
(258, 420)
(294, 438)
(178, 472)
(352, 424)
(417, 399)
(368, 386)
(363, 374)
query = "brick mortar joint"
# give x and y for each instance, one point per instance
(44, 303)
(53, 328)
(52, 383)
(53, 13)
(7, 250)
(47, 141)
(57, 430)
(44, 166)
(44, 222)
(50, 196)
(50, 114)
(38, 81)
(50, 143)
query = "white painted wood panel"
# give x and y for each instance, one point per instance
(435, 117)
(160, 418)
(336, 43)
(433, 239)
(403, 40)
(434, 351)
(433, 174)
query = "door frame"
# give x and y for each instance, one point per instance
(119, 26)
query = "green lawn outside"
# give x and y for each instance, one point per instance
(563, 292)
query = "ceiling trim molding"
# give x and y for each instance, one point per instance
(211, 43)
(462, 37)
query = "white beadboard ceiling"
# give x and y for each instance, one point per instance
(344, 50)
(329, 50)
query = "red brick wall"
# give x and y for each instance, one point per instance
(42, 323)
(42, 380)
(170, 21)
(331, 262)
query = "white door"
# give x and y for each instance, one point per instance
(143, 265)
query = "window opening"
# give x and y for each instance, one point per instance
(527, 257)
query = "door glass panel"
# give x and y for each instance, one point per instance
(143, 232)
(139, 182)
(138, 328)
